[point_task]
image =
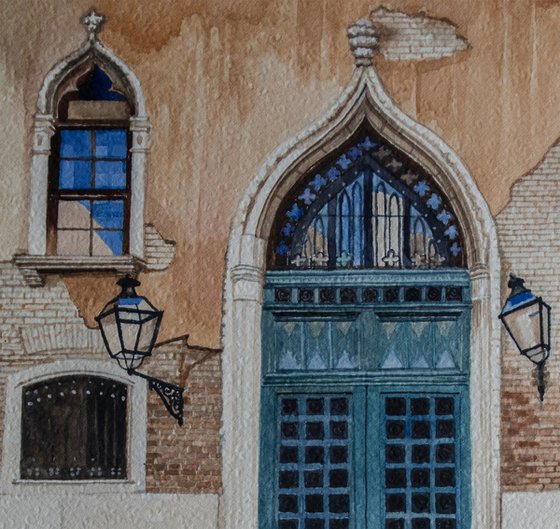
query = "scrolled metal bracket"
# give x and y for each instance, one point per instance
(170, 394)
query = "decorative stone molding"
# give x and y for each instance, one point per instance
(34, 268)
(159, 254)
(362, 38)
(93, 23)
(91, 50)
(247, 283)
(364, 98)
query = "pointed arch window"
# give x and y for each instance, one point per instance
(90, 143)
(89, 181)
(369, 206)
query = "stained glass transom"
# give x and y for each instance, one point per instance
(370, 208)
(420, 463)
(314, 462)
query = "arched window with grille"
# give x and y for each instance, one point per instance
(74, 427)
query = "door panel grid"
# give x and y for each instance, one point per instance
(314, 462)
(420, 456)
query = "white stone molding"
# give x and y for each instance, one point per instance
(364, 98)
(11, 483)
(44, 126)
(363, 41)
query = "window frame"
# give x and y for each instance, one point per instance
(11, 482)
(55, 194)
(36, 261)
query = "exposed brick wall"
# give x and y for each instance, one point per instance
(40, 325)
(158, 252)
(529, 229)
(415, 37)
(187, 458)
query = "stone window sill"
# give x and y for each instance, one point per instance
(35, 267)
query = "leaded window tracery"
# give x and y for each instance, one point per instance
(369, 207)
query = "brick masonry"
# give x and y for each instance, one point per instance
(158, 252)
(41, 325)
(415, 37)
(528, 230)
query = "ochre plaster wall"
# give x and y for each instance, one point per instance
(227, 82)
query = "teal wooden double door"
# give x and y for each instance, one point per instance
(365, 405)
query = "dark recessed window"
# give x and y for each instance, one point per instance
(74, 428)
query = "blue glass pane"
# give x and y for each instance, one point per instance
(113, 241)
(97, 87)
(108, 213)
(74, 174)
(75, 144)
(110, 175)
(110, 144)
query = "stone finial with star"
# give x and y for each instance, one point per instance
(93, 22)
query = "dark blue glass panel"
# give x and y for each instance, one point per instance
(74, 174)
(110, 175)
(108, 213)
(110, 144)
(113, 240)
(97, 87)
(288, 503)
(288, 524)
(75, 144)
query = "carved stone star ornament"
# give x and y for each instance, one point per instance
(93, 23)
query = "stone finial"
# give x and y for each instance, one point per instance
(92, 23)
(362, 37)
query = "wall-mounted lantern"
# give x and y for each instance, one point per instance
(129, 325)
(526, 318)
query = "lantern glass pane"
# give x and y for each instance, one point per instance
(110, 331)
(538, 355)
(524, 324)
(133, 360)
(147, 333)
(129, 332)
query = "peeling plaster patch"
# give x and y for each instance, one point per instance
(415, 37)
(159, 252)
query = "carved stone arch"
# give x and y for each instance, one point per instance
(77, 62)
(56, 80)
(364, 98)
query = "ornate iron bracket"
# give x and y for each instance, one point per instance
(170, 394)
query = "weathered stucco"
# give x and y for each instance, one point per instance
(225, 83)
